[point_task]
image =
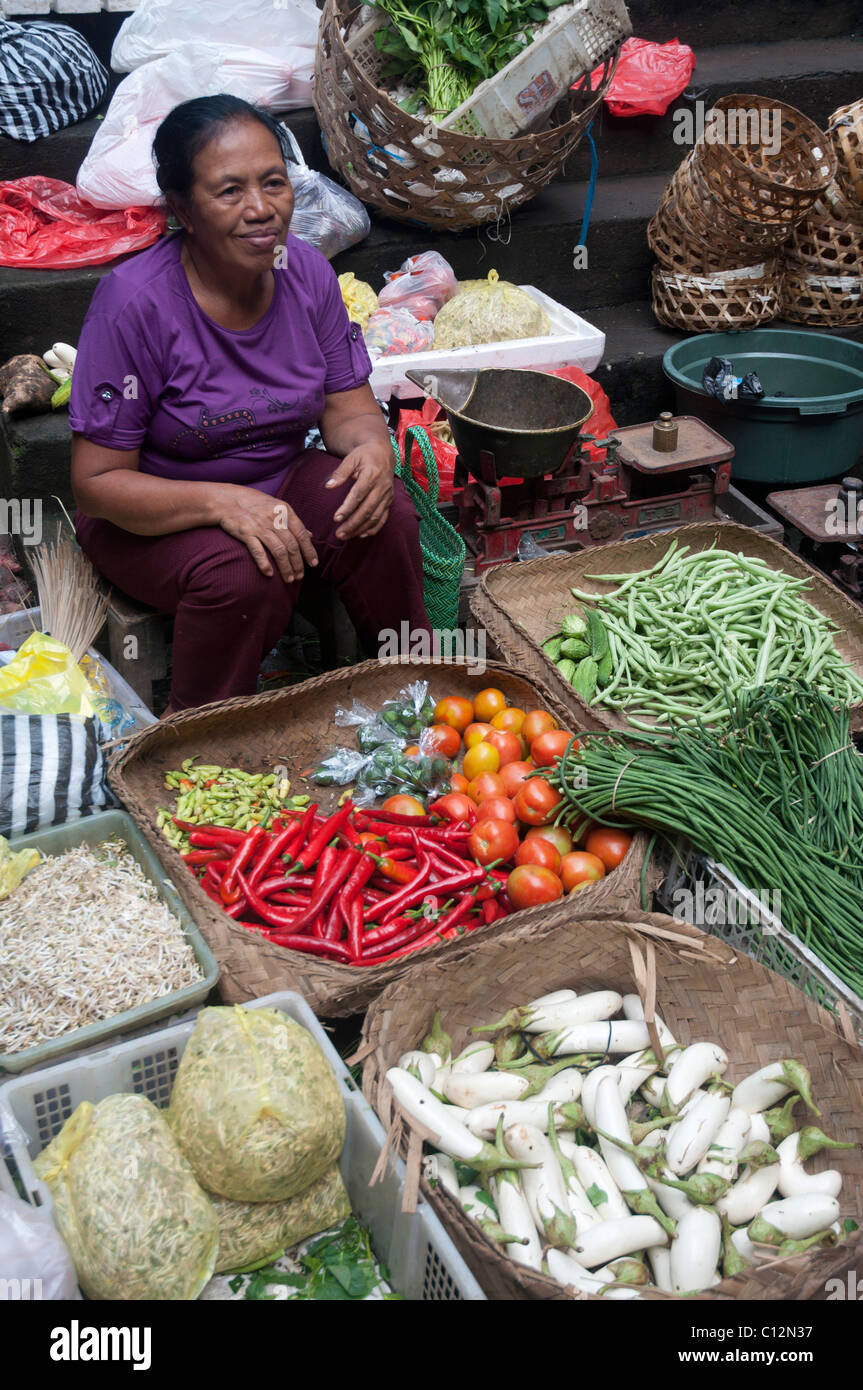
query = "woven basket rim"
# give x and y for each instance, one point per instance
(740, 100)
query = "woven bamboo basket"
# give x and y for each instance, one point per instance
(295, 727)
(411, 170)
(752, 181)
(846, 132)
(821, 245)
(702, 209)
(521, 605)
(703, 990)
(823, 301)
(684, 250)
(716, 303)
(835, 207)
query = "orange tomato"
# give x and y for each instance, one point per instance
(441, 741)
(496, 808)
(455, 711)
(483, 786)
(514, 775)
(530, 884)
(548, 747)
(483, 757)
(536, 801)
(412, 751)
(475, 733)
(608, 844)
(404, 806)
(579, 868)
(458, 783)
(537, 851)
(510, 719)
(508, 746)
(488, 703)
(536, 722)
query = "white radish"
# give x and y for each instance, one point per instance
(695, 1250)
(514, 1216)
(633, 1008)
(483, 1120)
(619, 1035)
(439, 1168)
(424, 1063)
(483, 1088)
(543, 1185)
(593, 1174)
(795, 1181)
(690, 1138)
(765, 1087)
(742, 1202)
(568, 1271)
(475, 1059)
(690, 1069)
(586, 1008)
(794, 1218)
(611, 1239)
(730, 1140)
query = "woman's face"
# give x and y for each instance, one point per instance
(241, 200)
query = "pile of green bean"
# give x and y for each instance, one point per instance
(213, 795)
(775, 794)
(696, 626)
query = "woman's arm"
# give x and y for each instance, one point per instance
(107, 484)
(352, 425)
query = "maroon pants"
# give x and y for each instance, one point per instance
(229, 615)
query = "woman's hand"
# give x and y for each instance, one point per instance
(367, 505)
(269, 527)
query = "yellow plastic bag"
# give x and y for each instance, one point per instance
(359, 298)
(44, 678)
(489, 311)
(252, 1231)
(14, 867)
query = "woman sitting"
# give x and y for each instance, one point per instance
(202, 363)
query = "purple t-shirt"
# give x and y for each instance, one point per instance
(205, 403)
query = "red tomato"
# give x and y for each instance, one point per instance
(536, 722)
(514, 775)
(579, 868)
(493, 839)
(475, 733)
(608, 844)
(555, 834)
(404, 806)
(458, 783)
(538, 851)
(455, 711)
(496, 808)
(548, 747)
(530, 884)
(483, 786)
(441, 741)
(508, 745)
(536, 802)
(454, 806)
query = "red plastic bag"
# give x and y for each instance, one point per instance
(601, 422)
(445, 454)
(44, 224)
(648, 78)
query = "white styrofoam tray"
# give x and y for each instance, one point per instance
(422, 1260)
(572, 342)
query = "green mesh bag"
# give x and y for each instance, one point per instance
(443, 549)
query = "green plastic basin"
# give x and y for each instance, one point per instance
(809, 424)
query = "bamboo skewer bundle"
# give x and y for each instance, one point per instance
(71, 597)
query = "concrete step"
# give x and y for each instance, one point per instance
(703, 25)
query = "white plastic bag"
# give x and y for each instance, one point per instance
(325, 215)
(158, 27)
(118, 169)
(34, 1261)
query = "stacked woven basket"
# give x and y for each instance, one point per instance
(754, 224)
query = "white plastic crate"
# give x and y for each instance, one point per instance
(572, 342)
(422, 1260)
(755, 930)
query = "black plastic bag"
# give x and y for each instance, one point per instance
(719, 380)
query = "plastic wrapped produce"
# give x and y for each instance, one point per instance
(255, 1107)
(253, 1231)
(358, 297)
(489, 311)
(422, 284)
(392, 331)
(128, 1206)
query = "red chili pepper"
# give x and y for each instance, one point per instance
(215, 837)
(393, 870)
(282, 917)
(412, 892)
(196, 857)
(334, 867)
(279, 845)
(312, 946)
(333, 924)
(427, 939)
(350, 836)
(322, 835)
(376, 934)
(354, 914)
(358, 878)
(240, 859)
(446, 852)
(451, 836)
(392, 818)
(458, 883)
(280, 883)
(372, 894)
(491, 911)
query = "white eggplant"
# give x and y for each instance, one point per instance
(753, 1188)
(589, 1089)
(557, 996)
(561, 1089)
(543, 1184)
(621, 1035)
(632, 1072)
(425, 1063)
(633, 1008)
(731, 1138)
(592, 1172)
(695, 1250)
(794, 1218)
(690, 1069)
(612, 1124)
(66, 354)
(794, 1181)
(585, 1008)
(439, 1168)
(611, 1239)
(450, 1135)
(474, 1202)
(483, 1088)
(674, 1203)
(653, 1090)
(580, 1205)
(759, 1131)
(763, 1088)
(568, 1271)
(514, 1216)
(743, 1245)
(483, 1120)
(689, 1139)
(475, 1059)
(660, 1264)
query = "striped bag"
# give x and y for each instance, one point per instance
(51, 770)
(49, 78)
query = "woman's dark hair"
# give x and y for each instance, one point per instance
(187, 129)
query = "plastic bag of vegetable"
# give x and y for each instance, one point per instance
(358, 297)
(128, 1206)
(254, 1231)
(422, 284)
(489, 311)
(255, 1107)
(391, 332)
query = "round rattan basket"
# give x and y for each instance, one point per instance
(717, 303)
(762, 162)
(684, 248)
(846, 132)
(411, 170)
(823, 301)
(820, 246)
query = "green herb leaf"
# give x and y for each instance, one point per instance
(596, 1196)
